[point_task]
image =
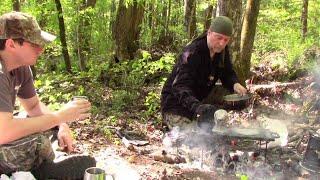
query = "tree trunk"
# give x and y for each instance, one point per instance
(127, 28)
(113, 11)
(16, 5)
(208, 17)
(168, 16)
(164, 15)
(152, 18)
(233, 10)
(304, 19)
(247, 38)
(63, 38)
(150, 15)
(84, 33)
(190, 17)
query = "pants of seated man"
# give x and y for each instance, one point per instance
(173, 120)
(26, 153)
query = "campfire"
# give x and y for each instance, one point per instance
(240, 151)
(217, 151)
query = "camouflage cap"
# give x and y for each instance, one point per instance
(22, 25)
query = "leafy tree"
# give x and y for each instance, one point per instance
(127, 28)
(84, 31)
(63, 36)
(304, 19)
(247, 38)
(16, 5)
(190, 17)
(233, 10)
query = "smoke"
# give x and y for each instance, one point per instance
(195, 144)
(206, 152)
(277, 126)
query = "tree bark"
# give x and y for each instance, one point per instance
(152, 18)
(16, 5)
(127, 28)
(150, 15)
(168, 16)
(304, 19)
(190, 17)
(84, 33)
(63, 38)
(164, 15)
(233, 10)
(113, 11)
(247, 38)
(208, 17)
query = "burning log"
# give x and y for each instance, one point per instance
(163, 156)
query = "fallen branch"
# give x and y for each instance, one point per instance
(307, 127)
(273, 87)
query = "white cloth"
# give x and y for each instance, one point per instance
(20, 175)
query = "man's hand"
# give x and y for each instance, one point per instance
(74, 110)
(65, 138)
(238, 88)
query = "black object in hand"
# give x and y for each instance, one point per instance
(206, 116)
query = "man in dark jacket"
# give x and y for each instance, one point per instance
(194, 75)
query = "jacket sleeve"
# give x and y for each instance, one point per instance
(185, 80)
(228, 76)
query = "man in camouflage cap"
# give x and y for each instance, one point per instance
(24, 145)
(200, 65)
(21, 25)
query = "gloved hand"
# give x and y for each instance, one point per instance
(220, 116)
(205, 116)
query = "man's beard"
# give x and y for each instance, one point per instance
(217, 49)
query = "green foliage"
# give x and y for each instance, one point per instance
(242, 176)
(279, 30)
(6, 6)
(152, 102)
(122, 99)
(56, 88)
(164, 64)
(103, 126)
(130, 76)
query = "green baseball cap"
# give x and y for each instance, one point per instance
(21, 25)
(222, 25)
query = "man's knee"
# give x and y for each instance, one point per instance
(216, 95)
(25, 153)
(172, 120)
